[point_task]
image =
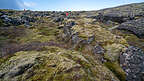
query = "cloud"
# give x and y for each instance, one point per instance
(29, 4)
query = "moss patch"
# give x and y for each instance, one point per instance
(113, 51)
(55, 64)
(132, 39)
(117, 70)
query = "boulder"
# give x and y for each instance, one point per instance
(71, 23)
(134, 26)
(58, 19)
(132, 63)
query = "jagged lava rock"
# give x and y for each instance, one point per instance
(132, 61)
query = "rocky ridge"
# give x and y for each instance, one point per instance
(104, 45)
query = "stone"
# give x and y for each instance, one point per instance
(67, 31)
(71, 23)
(91, 39)
(134, 26)
(133, 63)
(98, 50)
(20, 69)
(58, 19)
(75, 39)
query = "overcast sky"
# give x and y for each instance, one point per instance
(63, 5)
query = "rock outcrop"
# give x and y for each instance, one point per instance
(135, 26)
(133, 63)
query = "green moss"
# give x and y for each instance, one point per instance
(113, 51)
(4, 59)
(80, 49)
(57, 64)
(131, 39)
(48, 31)
(3, 39)
(1, 22)
(135, 41)
(34, 35)
(116, 69)
(102, 36)
(1, 60)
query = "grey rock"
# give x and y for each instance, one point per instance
(72, 23)
(67, 31)
(98, 50)
(133, 63)
(91, 39)
(58, 19)
(75, 39)
(135, 26)
(15, 21)
(19, 70)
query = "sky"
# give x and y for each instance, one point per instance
(63, 5)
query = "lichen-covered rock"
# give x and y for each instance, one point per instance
(54, 64)
(133, 63)
(135, 26)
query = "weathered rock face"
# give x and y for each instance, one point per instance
(112, 17)
(133, 63)
(135, 26)
(123, 13)
(55, 64)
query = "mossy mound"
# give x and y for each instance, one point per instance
(102, 35)
(132, 39)
(54, 64)
(113, 51)
(112, 44)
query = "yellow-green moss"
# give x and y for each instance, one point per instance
(34, 35)
(1, 60)
(113, 51)
(1, 22)
(130, 38)
(48, 31)
(102, 35)
(117, 70)
(57, 64)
